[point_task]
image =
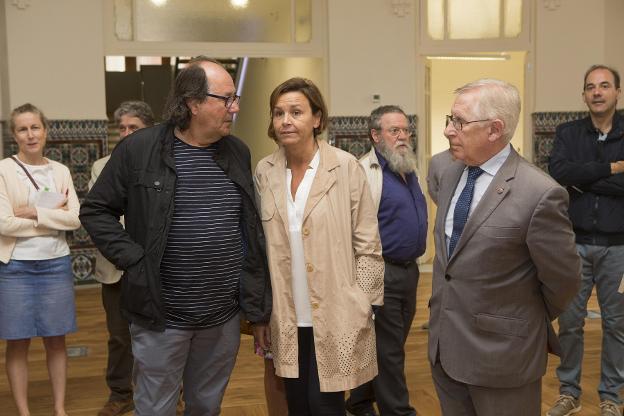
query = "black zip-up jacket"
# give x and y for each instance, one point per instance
(583, 164)
(139, 182)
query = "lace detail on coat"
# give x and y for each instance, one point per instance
(369, 271)
(348, 353)
(284, 343)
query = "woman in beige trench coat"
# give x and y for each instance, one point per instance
(324, 257)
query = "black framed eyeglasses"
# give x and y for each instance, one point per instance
(458, 124)
(228, 101)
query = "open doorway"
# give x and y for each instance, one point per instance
(443, 74)
(149, 78)
(450, 72)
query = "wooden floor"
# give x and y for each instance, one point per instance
(244, 397)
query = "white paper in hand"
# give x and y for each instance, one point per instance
(51, 200)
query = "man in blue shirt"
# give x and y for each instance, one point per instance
(402, 213)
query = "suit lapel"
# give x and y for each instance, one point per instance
(493, 196)
(324, 178)
(277, 182)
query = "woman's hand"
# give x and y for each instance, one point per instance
(29, 213)
(262, 335)
(63, 203)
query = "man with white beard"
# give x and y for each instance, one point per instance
(402, 213)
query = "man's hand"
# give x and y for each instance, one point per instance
(30, 213)
(617, 167)
(262, 335)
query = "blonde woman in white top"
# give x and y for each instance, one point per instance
(38, 204)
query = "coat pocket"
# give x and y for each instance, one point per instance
(501, 232)
(502, 325)
(135, 291)
(135, 275)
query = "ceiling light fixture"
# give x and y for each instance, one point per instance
(239, 4)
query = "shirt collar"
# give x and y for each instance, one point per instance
(492, 165)
(615, 124)
(382, 160)
(314, 163)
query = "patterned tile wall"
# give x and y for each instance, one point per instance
(350, 133)
(76, 144)
(544, 126)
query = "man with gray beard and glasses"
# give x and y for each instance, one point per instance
(402, 213)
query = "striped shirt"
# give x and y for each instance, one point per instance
(202, 262)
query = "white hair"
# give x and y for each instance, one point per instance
(496, 99)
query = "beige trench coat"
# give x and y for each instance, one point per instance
(344, 268)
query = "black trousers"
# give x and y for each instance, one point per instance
(120, 358)
(303, 394)
(392, 325)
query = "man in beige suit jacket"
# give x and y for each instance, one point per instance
(130, 116)
(505, 265)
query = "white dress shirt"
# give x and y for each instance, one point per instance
(296, 207)
(490, 168)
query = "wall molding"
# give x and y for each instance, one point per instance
(21, 4)
(401, 8)
(552, 5)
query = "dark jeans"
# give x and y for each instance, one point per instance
(392, 324)
(303, 394)
(120, 359)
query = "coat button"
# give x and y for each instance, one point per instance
(315, 305)
(306, 232)
(447, 277)
(309, 268)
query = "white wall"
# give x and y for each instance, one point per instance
(263, 75)
(55, 54)
(4, 67)
(56, 58)
(371, 51)
(614, 35)
(569, 40)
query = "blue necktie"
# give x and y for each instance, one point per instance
(460, 215)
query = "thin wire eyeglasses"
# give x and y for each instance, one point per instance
(228, 101)
(396, 131)
(458, 124)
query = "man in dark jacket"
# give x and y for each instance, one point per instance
(588, 158)
(192, 247)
